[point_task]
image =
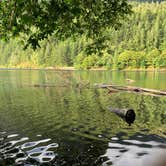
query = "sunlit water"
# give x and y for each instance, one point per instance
(68, 121)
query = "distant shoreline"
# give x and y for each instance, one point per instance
(74, 69)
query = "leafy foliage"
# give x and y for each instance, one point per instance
(64, 18)
(139, 43)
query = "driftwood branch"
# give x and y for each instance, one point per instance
(110, 88)
(117, 88)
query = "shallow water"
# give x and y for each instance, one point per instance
(68, 121)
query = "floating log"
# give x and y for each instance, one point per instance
(132, 89)
(47, 85)
(65, 84)
(127, 115)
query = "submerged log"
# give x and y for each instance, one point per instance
(127, 115)
(132, 89)
(46, 85)
(79, 85)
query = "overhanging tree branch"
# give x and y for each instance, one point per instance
(62, 18)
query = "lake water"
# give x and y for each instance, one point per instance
(68, 122)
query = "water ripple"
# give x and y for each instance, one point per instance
(134, 151)
(21, 152)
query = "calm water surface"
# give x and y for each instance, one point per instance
(68, 122)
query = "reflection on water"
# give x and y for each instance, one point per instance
(138, 150)
(71, 125)
(19, 151)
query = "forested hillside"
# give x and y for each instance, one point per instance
(139, 43)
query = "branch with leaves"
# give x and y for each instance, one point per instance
(38, 19)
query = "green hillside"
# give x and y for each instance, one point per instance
(139, 43)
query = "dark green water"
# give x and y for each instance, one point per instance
(69, 124)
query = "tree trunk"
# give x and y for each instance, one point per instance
(117, 88)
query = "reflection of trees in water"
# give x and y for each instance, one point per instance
(74, 106)
(77, 118)
(150, 110)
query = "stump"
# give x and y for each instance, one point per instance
(127, 115)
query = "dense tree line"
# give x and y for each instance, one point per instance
(139, 43)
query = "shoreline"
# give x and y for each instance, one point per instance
(74, 69)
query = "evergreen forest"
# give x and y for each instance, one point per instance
(140, 43)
